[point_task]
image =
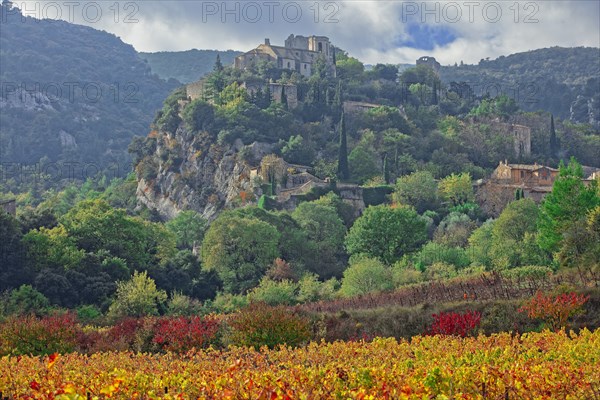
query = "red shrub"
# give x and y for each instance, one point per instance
(180, 334)
(554, 310)
(456, 324)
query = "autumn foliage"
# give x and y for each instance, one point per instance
(455, 324)
(544, 365)
(554, 310)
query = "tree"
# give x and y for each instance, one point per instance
(188, 228)
(554, 143)
(569, 201)
(518, 218)
(418, 189)
(13, 269)
(137, 297)
(387, 233)
(26, 300)
(513, 236)
(240, 250)
(456, 189)
(350, 69)
(343, 172)
(480, 245)
(365, 275)
(94, 225)
(361, 161)
(218, 65)
(326, 229)
(454, 230)
(581, 244)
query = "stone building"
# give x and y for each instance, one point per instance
(535, 181)
(522, 174)
(299, 54)
(430, 62)
(9, 206)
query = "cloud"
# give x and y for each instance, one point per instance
(373, 31)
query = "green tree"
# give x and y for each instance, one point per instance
(454, 230)
(569, 201)
(13, 271)
(137, 297)
(365, 275)
(343, 171)
(480, 245)
(513, 236)
(94, 225)
(554, 143)
(580, 247)
(326, 229)
(456, 189)
(361, 161)
(26, 300)
(387, 233)
(240, 250)
(418, 189)
(188, 228)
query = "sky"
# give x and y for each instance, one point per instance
(372, 31)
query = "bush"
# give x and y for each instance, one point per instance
(554, 310)
(274, 293)
(365, 275)
(261, 325)
(57, 333)
(180, 334)
(373, 196)
(182, 305)
(530, 271)
(455, 324)
(26, 300)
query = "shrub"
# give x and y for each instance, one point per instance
(365, 275)
(554, 310)
(261, 325)
(311, 289)
(57, 333)
(455, 324)
(529, 271)
(26, 300)
(180, 334)
(88, 313)
(181, 305)
(274, 293)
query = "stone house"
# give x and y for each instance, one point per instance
(523, 174)
(9, 206)
(299, 54)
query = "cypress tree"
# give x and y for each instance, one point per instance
(218, 65)
(554, 144)
(386, 170)
(343, 156)
(284, 101)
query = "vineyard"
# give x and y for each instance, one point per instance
(501, 366)
(489, 286)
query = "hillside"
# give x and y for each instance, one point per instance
(71, 95)
(186, 66)
(562, 81)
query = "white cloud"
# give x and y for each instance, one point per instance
(369, 30)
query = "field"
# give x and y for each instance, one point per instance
(500, 366)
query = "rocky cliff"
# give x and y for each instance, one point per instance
(188, 170)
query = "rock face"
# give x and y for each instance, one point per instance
(190, 171)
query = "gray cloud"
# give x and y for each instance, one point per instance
(370, 30)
